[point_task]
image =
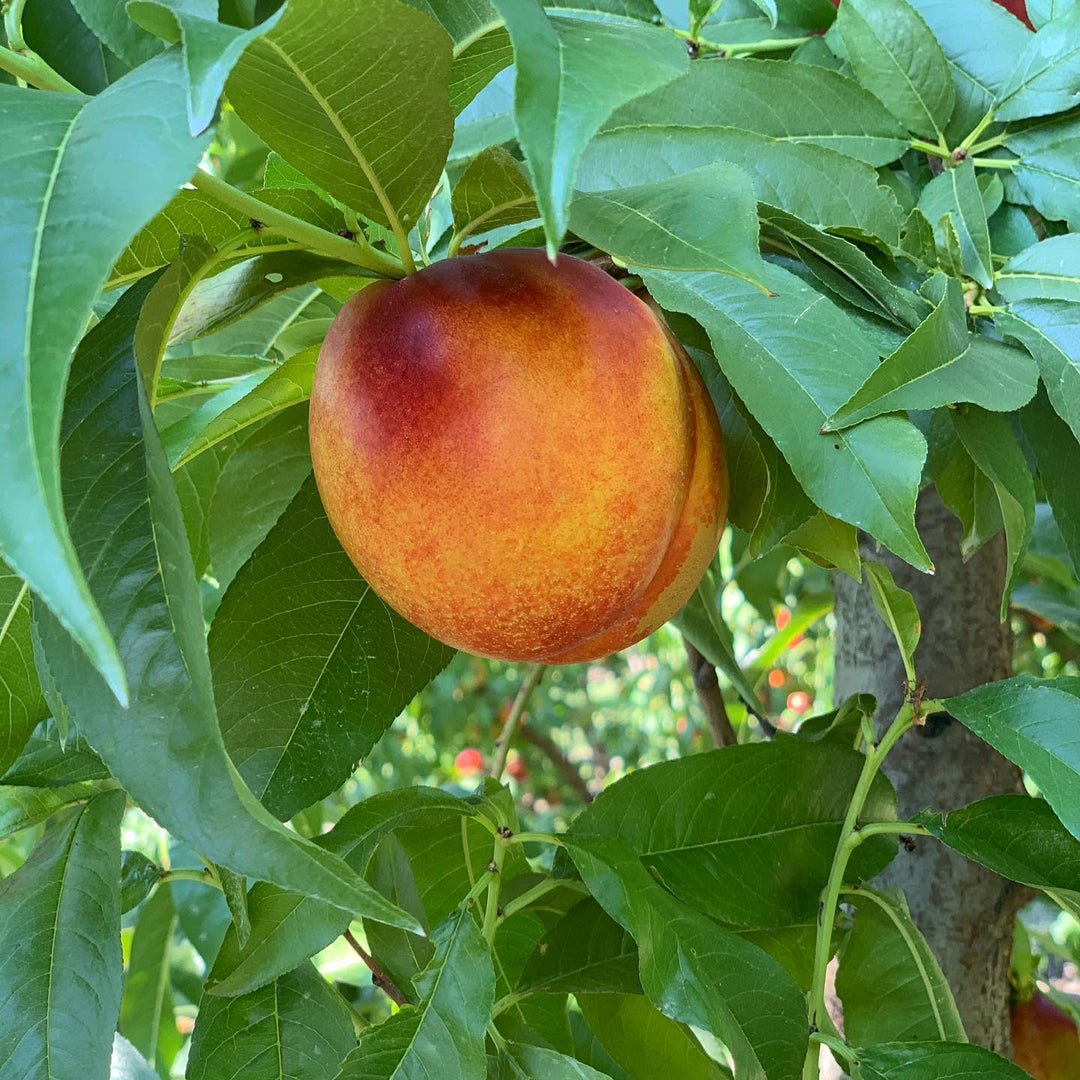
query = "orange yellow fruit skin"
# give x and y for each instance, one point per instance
(517, 456)
(1045, 1040)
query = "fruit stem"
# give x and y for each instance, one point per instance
(502, 745)
(351, 251)
(977, 130)
(929, 148)
(850, 838)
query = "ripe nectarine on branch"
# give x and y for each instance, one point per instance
(518, 455)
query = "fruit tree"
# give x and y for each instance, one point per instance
(540, 540)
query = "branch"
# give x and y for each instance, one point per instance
(517, 710)
(546, 746)
(710, 697)
(29, 67)
(378, 976)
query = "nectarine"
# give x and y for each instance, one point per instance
(518, 455)
(1045, 1040)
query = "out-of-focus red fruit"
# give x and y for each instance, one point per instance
(517, 768)
(469, 762)
(1019, 9)
(795, 641)
(798, 701)
(777, 678)
(1045, 1042)
(681, 725)
(783, 617)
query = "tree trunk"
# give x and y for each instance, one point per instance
(965, 911)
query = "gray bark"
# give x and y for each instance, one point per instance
(965, 911)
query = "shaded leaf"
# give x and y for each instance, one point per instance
(523, 1062)
(445, 1033)
(110, 22)
(896, 606)
(989, 440)
(170, 728)
(492, 192)
(891, 984)
(138, 875)
(933, 1060)
(22, 706)
(1048, 169)
(21, 807)
(646, 1043)
(1018, 837)
(288, 927)
(146, 1012)
(760, 856)
(48, 760)
(60, 972)
(295, 1028)
(299, 634)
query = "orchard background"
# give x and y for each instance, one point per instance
(254, 824)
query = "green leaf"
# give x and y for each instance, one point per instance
(59, 970)
(950, 257)
(170, 727)
(1048, 169)
(845, 269)
(897, 58)
(109, 20)
(828, 542)
(127, 1063)
(696, 972)
(444, 1034)
(21, 705)
(934, 1060)
(210, 50)
(868, 476)
(257, 483)
(288, 384)
(816, 184)
(989, 440)
(53, 29)
(146, 1012)
(1018, 837)
(21, 807)
(646, 1043)
(571, 75)
(705, 219)
(1010, 230)
(295, 1028)
(584, 952)
(303, 100)
(956, 192)
(298, 633)
(217, 301)
(1040, 12)
(288, 927)
(1033, 723)
(1048, 270)
(760, 856)
(897, 609)
(138, 875)
(891, 984)
(492, 192)
(1046, 75)
(978, 72)
(702, 622)
(940, 363)
(524, 1062)
(137, 158)
(964, 488)
(1050, 331)
(1057, 455)
(49, 761)
(793, 103)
